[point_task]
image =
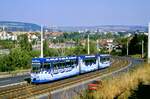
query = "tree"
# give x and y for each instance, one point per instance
(7, 44)
(65, 35)
(24, 43)
(135, 45)
(45, 48)
(93, 48)
(5, 64)
(48, 52)
(92, 45)
(80, 50)
(109, 35)
(123, 42)
(35, 53)
(19, 58)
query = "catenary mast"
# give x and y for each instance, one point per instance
(41, 41)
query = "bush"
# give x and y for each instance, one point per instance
(17, 59)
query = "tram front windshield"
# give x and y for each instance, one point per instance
(36, 67)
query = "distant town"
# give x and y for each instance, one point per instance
(105, 35)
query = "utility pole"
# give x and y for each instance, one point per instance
(88, 46)
(41, 41)
(109, 49)
(127, 48)
(149, 43)
(142, 48)
(97, 46)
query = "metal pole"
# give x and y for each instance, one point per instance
(149, 43)
(142, 48)
(127, 48)
(109, 49)
(41, 41)
(88, 46)
(97, 46)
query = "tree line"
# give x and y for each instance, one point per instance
(21, 51)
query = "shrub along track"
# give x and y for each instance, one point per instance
(30, 90)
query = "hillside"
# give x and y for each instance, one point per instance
(19, 26)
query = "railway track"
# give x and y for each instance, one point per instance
(29, 90)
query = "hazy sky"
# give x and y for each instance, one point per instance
(76, 12)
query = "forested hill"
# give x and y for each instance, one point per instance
(19, 26)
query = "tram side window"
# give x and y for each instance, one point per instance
(61, 65)
(104, 59)
(55, 65)
(108, 59)
(93, 61)
(90, 61)
(47, 65)
(73, 63)
(86, 62)
(68, 64)
(36, 67)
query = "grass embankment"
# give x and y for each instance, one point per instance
(123, 86)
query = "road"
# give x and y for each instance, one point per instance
(13, 80)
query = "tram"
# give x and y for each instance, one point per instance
(55, 68)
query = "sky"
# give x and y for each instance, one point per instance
(76, 12)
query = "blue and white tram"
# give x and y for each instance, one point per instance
(51, 69)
